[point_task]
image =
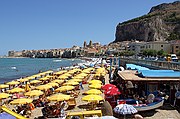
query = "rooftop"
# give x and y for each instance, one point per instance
(129, 75)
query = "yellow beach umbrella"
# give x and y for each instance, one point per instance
(67, 74)
(3, 86)
(24, 79)
(59, 97)
(57, 81)
(71, 72)
(86, 71)
(34, 93)
(73, 83)
(64, 88)
(78, 77)
(94, 92)
(35, 82)
(13, 83)
(16, 90)
(97, 86)
(44, 87)
(95, 82)
(4, 95)
(82, 74)
(77, 80)
(51, 77)
(21, 101)
(63, 77)
(44, 79)
(53, 84)
(92, 98)
(30, 77)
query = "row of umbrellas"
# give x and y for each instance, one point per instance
(57, 97)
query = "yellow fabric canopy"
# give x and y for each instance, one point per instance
(53, 84)
(57, 81)
(95, 82)
(44, 79)
(64, 88)
(34, 93)
(94, 92)
(44, 87)
(77, 80)
(13, 83)
(97, 86)
(59, 97)
(3, 86)
(63, 77)
(21, 101)
(16, 90)
(73, 83)
(35, 82)
(4, 95)
(92, 98)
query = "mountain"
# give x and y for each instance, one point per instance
(160, 24)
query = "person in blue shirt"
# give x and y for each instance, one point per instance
(81, 85)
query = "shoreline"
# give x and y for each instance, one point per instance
(16, 76)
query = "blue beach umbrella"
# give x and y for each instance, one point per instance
(5, 115)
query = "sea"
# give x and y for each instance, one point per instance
(15, 68)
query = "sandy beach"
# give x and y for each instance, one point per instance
(165, 112)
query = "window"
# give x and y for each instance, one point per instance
(161, 45)
(177, 46)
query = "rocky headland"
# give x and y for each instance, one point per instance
(160, 24)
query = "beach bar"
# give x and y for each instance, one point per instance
(151, 81)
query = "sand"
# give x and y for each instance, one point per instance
(165, 112)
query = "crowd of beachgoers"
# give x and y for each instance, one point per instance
(51, 90)
(71, 92)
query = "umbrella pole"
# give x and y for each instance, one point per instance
(124, 116)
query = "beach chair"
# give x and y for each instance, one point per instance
(71, 103)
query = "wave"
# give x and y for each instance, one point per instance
(13, 67)
(56, 60)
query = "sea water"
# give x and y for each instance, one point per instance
(14, 68)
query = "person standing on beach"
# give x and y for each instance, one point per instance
(81, 85)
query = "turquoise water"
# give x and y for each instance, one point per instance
(13, 68)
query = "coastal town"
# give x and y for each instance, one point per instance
(135, 76)
(125, 48)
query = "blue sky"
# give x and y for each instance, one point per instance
(46, 24)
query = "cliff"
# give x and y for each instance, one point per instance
(160, 24)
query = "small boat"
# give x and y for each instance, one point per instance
(143, 107)
(151, 106)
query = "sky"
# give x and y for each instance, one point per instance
(49, 24)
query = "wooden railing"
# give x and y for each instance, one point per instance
(152, 64)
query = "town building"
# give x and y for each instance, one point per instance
(159, 45)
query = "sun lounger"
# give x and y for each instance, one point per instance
(84, 114)
(71, 102)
